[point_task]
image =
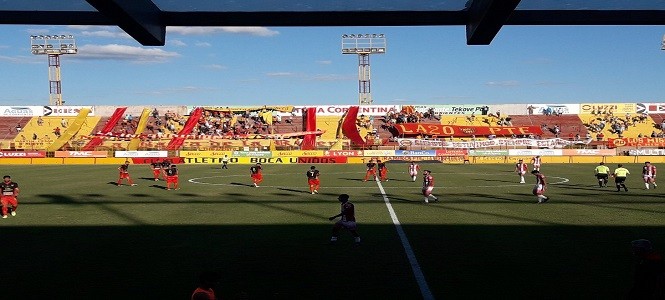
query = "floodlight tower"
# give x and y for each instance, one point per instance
(53, 46)
(364, 45)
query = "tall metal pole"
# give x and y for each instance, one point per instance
(53, 46)
(363, 45)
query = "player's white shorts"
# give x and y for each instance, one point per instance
(538, 189)
(536, 166)
(428, 191)
(413, 173)
(648, 177)
(350, 225)
(521, 172)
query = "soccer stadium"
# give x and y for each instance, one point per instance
(333, 201)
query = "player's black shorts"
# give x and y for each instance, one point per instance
(603, 176)
(620, 179)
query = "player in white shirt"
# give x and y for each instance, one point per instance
(413, 170)
(536, 162)
(521, 169)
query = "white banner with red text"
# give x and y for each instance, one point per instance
(548, 143)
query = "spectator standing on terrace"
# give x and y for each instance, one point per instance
(348, 220)
(63, 123)
(648, 280)
(18, 128)
(40, 121)
(9, 196)
(56, 131)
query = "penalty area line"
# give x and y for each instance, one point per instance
(413, 261)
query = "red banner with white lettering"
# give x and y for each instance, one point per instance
(636, 142)
(460, 131)
(22, 154)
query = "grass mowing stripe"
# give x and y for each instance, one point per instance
(413, 261)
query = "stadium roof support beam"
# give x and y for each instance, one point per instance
(141, 19)
(486, 17)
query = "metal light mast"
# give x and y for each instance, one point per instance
(364, 45)
(53, 46)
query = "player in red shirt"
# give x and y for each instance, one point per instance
(540, 187)
(371, 170)
(383, 171)
(9, 192)
(313, 180)
(428, 186)
(171, 175)
(124, 174)
(521, 168)
(413, 170)
(255, 172)
(156, 170)
(348, 220)
(205, 289)
(649, 175)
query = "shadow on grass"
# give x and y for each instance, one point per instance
(242, 184)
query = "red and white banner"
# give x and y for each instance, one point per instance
(339, 110)
(452, 152)
(549, 143)
(459, 131)
(81, 154)
(636, 142)
(66, 111)
(340, 153)
(141, 154)
(23, 154)
(589, 152)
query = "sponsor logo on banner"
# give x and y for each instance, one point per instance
(420, 143)
(646, 152)
(207, 160)
(66, 111)
(29, 154)
(269, 160)
(488, 152)
(299, 153)
(129, 154)
(415, 152)
(540, 109)
(339, 110)
(81, 154)
(145, 161)
(251, 153)
(589, 152)
(454, 109)
(616, 108)
(650, 108)
(322, 160)
(548, 143)
(529, 152)
(338, 153)
(205, 153)
(452, 152)
(20, 111)
(379, 153)
(636, 142)
(454, 130)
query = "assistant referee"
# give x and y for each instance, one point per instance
(602, 172)
(620, 174)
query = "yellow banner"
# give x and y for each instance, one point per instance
(205, 153)
(242, 160)
(143, 121)
(605, 108)
(298, 153)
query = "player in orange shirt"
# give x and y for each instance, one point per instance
(371, 170)
(171, 175)
(124, 174)
(383, 171)
(9, 192)
(313, 180)
(255, 173)
(156, 168)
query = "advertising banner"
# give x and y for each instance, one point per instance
(251, 154)
(21, 111)
(650, 108)
(339, 110)
(534, 152)
(81, 154)
(452, 152)
(322, 160)
(615, 108)
(541, 109)
(646, 152)
(589, 152)
(205, 153)
(66, 111)
(488, 152)
(415, 152)
(298, 153)
(340, 153)
(636, 142)
(458, 131)
(478, 109)
(24, 154)
(141, 154)
(548, 143)
(146, 161)
(379, 153)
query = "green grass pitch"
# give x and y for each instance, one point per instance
(78, 236)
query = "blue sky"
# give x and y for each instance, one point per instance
(304, 66)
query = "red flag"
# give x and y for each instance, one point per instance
(349, 128)
(309, 120)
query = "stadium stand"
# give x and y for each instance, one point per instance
(617, 126)
(562, 126)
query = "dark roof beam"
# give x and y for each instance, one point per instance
(141, 19)
(486, 17)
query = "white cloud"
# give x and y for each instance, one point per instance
(280, 74)
(256, 31)
(324, 62)
(177, 43)
(506, 83)
(177, 90)
(330, 77)
(37, 31)
(215, 67)
(203, 44)
(4, 47)
(21, 59)
(100, 31)
(126, 53)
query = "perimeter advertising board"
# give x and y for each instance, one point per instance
(339, 110)
(478, 109)
(615, 108)
(81, 154)
(23, 154)
(129, 154)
